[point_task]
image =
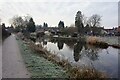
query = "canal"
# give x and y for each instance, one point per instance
(80, 54)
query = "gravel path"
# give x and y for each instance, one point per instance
(0, 52)
(12, 62)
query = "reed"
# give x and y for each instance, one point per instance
(99, 43)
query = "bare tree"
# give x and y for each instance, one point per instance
(17, 21)
(84, 20)
(27, 17)
(94, 20)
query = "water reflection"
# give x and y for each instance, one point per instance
(44, 42)
(70, 44)
(92, 55)
(80, 49)
(80, 53)
(60, 45)
(77, 50)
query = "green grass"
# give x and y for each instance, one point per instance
(40, 67)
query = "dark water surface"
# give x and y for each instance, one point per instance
(80, 54)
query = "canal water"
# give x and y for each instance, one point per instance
(80, 54)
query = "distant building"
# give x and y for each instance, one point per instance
(117, 31)
(53, 30)
(113, 31)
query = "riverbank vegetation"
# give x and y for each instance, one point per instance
(72, 71)
(38, 66)
(99, 43)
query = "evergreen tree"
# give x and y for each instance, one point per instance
(61, 24)
(31, 26)
(45, 24)
(78, 22)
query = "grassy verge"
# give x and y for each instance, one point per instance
(39, 67)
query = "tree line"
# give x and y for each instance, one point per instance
(82, 23)
(21, 24)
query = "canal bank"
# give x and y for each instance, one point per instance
(96, 59)
(72, 71)
(39, 67)
(101, 42)
(82, 54)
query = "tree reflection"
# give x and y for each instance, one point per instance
(70, 44)
(60, 45)
(44, 42)
(77, 49)
(81, 49)
(86, 47)
(92, 53)
(53, 40)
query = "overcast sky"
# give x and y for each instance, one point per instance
(53, 12)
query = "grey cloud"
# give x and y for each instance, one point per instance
(52, 12)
